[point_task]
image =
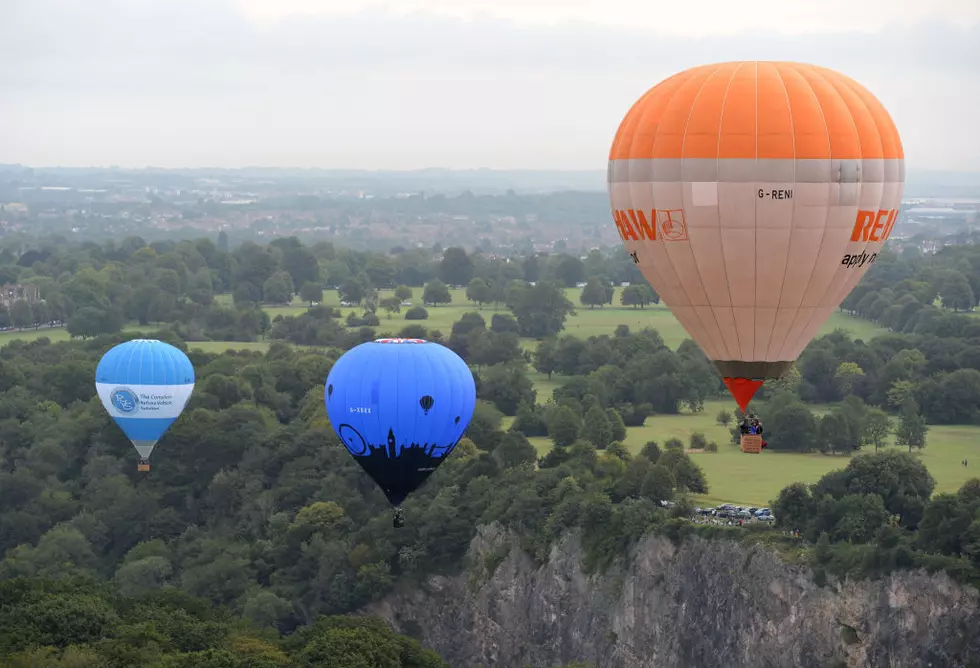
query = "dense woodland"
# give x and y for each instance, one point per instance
(256, 533)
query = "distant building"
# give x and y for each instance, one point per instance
(11, 292)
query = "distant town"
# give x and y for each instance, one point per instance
(503, 213)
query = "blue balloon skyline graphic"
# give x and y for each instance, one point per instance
(400, 406)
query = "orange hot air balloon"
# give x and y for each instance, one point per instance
(753, 196)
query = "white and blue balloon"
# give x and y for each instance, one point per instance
(144, 385)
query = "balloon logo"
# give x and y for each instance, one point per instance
(456, 421)
(329, 391)
(673, 225)
(426, 403)
(125, 400)
(753, 196)
(352, 438)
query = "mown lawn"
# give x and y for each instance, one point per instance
(584, 323)
(754, 480)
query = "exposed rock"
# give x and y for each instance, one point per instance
(701, 605)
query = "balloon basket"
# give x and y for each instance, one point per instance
(143, 467)
(751, 443)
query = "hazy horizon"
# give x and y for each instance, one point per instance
(461, 85)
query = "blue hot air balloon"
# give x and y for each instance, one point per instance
(144, 384)
(400, 406)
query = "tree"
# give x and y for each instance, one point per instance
(503, 323)
(311, 293)
(846, 375)
(956, 292)
(564, 426)
(301, 265)
(200, 287)
(794, 506)
(687, 475)
(570, 270)
(391, 305)
(792, 427)
(278, 288)
(89, 321)
(515, 451)
(596, 428)
(861, 516)
(638, 294)
(222, 242)
(545, 357)
(436, 292)
(456, 267)
(658, 484)
(478, 291)
(541, 310)
(877, 428)
(788, 383)
(353, 291)
(40, 314)
(912, 428)
(616, 424)
(900, 392)
(723, 418)
(21, 314)
(594, 293)
(507, 386)
(833, 433)
(416, 313)
(490, 348)
(403, 292)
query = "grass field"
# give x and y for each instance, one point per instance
(755, 480)
(586, 322)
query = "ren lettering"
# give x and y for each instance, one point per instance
(874, 225)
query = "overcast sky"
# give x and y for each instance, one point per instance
(404, 84)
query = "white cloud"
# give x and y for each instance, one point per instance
(188, 83)
(701, 17)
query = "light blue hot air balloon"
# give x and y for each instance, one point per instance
(144, 384)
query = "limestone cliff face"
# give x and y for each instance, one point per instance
(701, 605)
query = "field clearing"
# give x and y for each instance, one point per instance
(755, 480)
(732, 476)
(584, 323)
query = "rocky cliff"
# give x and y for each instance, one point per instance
(700, 605)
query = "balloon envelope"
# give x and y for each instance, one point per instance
(400, 406)
(144, 384)
(753, 196)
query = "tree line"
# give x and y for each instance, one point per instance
(76, 622)
(99, 288)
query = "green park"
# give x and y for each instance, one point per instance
(734, 477)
